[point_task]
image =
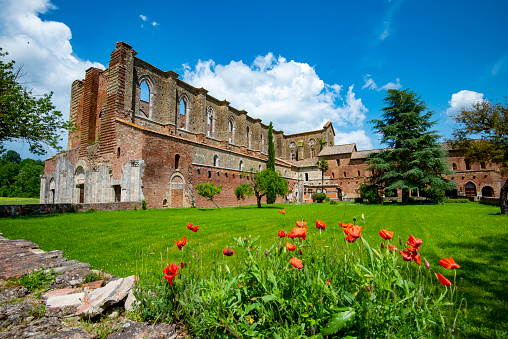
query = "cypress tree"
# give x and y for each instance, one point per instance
(271, 193)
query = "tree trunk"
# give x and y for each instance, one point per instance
(405, 196)
(258, 198)
(322, 185)
(504, 198)
(215, 203)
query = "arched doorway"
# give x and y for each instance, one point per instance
(177, 185)
(79, 180)
(470, 189)
(487, 191)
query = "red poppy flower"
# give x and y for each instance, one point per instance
(228, 251)
(283, 211)
(290, 246)
(301, 224)
(448, 263)
(328, 282)
(300, 251)
(443, 280)
(282, 234)
(181, 243)
(298, 232)
(241, 285)
(182, 264)
(320, 225)
(189, 225)
(412, 241)
(296, 262)
(406, 255)
(392, 248)
(171, 272)
(412, 249)
(344, 225)
(350, 239)
(354, 231)
(387, 235)
(417, 259)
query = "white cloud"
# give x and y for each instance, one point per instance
(359, 137)
(370, 84)
(462, 99)
(143, 17)
(155, 24)
(500, 65)
(43, 48)
(288, 93)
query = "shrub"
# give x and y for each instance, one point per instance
(143, 204)
(90, 210)
(453, 201)
(358, 200)
(319, 197)
(333, 202)
(370, 193)
(36, 280)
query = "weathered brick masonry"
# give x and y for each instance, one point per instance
(143, 134)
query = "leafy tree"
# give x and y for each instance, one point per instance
(262, 183)
(489, 122)
(415, 160)
(323, 167)
(23, 117)
(319, 197)
(271, 194)
(28, 179)
(323, 143)
(369, 192)
(243, 191)
(12, 156)
(209, 191)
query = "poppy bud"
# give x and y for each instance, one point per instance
(426, 263)
(354, 219)
(244, 239)
(266, 252)
(363, 217)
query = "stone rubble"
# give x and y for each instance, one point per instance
(55, 314)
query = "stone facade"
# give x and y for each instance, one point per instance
(143, 134)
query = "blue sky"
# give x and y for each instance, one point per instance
(295, 63)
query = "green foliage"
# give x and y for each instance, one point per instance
(366, 293)
(323, 167)
(333, 202)
(19, 178)
(369, 192)
(208, 191)
(415, 158)
(143, 205)
(319, 197)
(268, 182)
(23, 117)
(36, 281)
(456, 201)
(271, 195)
(243, 191)
(489, 122)
(90, 210)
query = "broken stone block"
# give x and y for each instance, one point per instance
(73, 277)
(93, 285)
(130, 301)
(60, 292)
(96, 301)
(64, 304)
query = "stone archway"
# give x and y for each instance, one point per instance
(177, 185)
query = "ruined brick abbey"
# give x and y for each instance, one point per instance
(144, 134)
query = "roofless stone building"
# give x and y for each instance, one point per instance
(144, 134)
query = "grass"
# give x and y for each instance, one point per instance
(18, 201)
(122, 242)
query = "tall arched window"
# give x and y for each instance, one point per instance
(146, 96)
(177, 161)
(210, 122)
(241, 166)
(454, 166)
(232, 130)
(183, 114)
(216, 160)
(144, 100)
(248, 137)
(306, 176)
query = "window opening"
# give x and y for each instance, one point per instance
(177, 161)
(144, 100)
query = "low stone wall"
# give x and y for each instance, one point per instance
(490, 201)
(19, 210)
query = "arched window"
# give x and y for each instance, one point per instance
(333, 175)
(177, 161)
(306, 176)
(470, 189)
(240, 166)
(468, 165)
(260, 168)
(292, 155)
(183, 114)
(359, 174)
(232, 130)
(216, 160)
(345, 174)
(210, 122)
(312, 152)
(454, 166)
(144, 100)
(248, 138)
(146, 96)
(482, 165)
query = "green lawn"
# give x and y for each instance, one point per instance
(121, 242)
(18, 201)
